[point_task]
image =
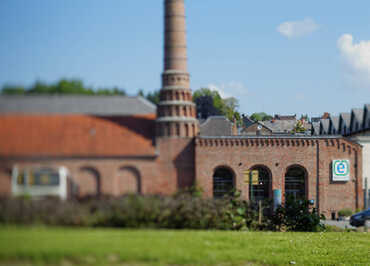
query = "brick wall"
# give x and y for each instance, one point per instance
(181, 162)
(173, 170)
(5, 179)
(278, 154)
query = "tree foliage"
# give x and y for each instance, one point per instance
(150, 96)
(63, 86)
(299, 128)
(260, 117)
(296, 215)
(209, 102)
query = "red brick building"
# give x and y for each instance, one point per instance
(116, 145)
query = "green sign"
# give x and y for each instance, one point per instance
(341, 170)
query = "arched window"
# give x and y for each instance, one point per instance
(88, 181)
(223, 182)
(262, 190)
(295, 182)
(185, 111)
(128, 181)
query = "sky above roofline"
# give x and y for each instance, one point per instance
(285, 57)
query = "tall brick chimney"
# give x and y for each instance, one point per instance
(176, 113)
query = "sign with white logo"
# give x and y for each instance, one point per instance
(341, 170)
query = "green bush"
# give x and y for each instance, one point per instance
(186, 210)
(345, 212)
(182, 211)
(296, 215)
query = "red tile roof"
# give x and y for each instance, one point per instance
(76, 135)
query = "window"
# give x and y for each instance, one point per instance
(223, 182)
(295, 182)
(262, 190)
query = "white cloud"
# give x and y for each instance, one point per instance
(294, 29)
(356, 57)
(230, 89)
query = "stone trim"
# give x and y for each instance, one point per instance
(176, 103)
(176, 119)
(174, 71)
(339, 143)
(167, 88)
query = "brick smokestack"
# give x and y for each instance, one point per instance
(176, 113)
(175, 52)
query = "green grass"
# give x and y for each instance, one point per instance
(66, 246)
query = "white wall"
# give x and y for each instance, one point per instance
(364, 140)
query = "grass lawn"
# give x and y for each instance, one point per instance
(66, 246)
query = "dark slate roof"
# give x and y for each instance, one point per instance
(280, 126)
(243, 131)
(216, 126)
(285, 117)
(324, 124)
(315, 119)
(366, 122)
(247, 121)
(76, 104)
(359, 114)
(334, 122)
(315, 128)
(346, 118)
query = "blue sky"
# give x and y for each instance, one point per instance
(274, 56)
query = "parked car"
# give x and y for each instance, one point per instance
(358, 219)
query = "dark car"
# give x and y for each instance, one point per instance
(358, 219)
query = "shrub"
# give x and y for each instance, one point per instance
(181, 211)
(296, 215)
(345, 212)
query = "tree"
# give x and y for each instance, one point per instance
(13, 90)
(210, 103)
(304, 117)
(63, 86)
(260, 117)
(205, 107)
(299, 128)
(153, 97)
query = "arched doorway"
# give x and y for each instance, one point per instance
(128, 181)
(295, 182)
(261, 191)
(223, 182)
(88, 182)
